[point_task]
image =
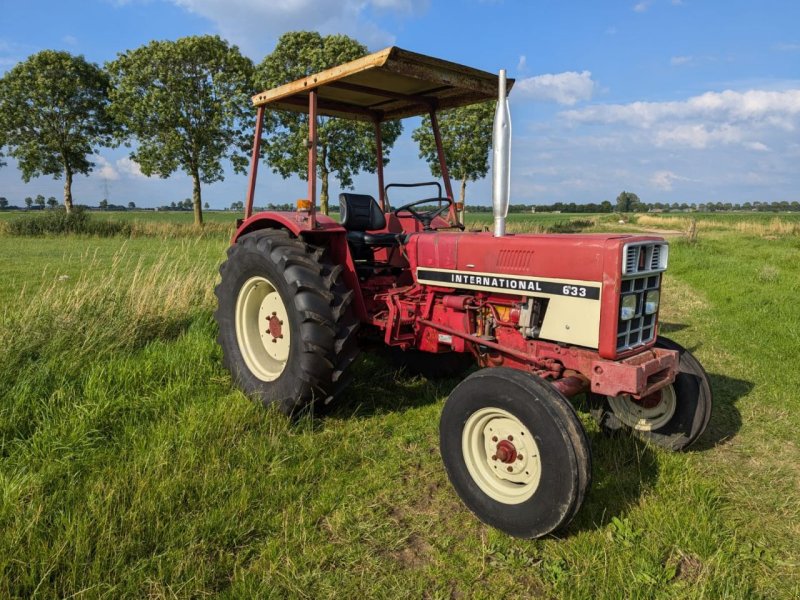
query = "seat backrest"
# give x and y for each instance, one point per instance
(360, 212)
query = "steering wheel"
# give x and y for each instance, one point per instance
(427, 216)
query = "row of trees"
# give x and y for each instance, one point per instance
(184, 105)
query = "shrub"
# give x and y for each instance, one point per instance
(574, 226)
(57, 222)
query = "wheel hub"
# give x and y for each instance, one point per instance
(505, 452)
(275, 329)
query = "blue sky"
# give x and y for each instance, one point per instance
(676, 100)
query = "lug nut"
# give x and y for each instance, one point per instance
(511, 438)
(519, 456)
(494, 457)
(510, 469)
(494, 438)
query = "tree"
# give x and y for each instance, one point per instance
(39, 200)
(131, 206)
(53, 116)
(466, 137)
(205, 206)
(103, 204)
(3, 202)
(28, 201)
(345, 147)
(52, 202)
(237, 205)
(187, 204)
(628, 202)
(185, 103)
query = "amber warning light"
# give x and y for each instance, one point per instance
(304, 204)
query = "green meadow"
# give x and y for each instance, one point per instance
(131, 467)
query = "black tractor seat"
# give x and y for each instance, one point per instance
(360, 215)
(380, 240)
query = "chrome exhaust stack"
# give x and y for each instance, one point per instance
(501, 159)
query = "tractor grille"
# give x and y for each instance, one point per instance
(641, 328)
(644, 258)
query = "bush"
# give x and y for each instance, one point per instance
(57, 222)
(574, 226)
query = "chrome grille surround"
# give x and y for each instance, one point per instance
(644, 257)
(642, 265)
(641, 329)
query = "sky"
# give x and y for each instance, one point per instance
(675, 100)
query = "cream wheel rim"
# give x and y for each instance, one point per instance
(262, 328)
(501, 455)
(641, 416)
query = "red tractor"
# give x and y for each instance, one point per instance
(545, 317)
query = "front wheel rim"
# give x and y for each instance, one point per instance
(262, 328)
(641, 417)
(501, 455)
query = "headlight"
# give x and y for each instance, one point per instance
(628, 310)
(651, 302)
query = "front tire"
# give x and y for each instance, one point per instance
(672, 418)
(286, 328)
(515, 452)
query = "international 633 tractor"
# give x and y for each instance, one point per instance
(545, 317)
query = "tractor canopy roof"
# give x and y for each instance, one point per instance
(390, 84)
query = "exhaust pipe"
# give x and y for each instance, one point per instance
(501, 159)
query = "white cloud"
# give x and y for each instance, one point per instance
(641, 6)
(70, 40)
(565, 88)
(611, 30)
(756, 120)
(254, 24)
(522, 65)
(662, 180)
(787, 47)
(698, 135)
(780, 109)
(757, 146)
(105, 169)
(676, 61)
(129, 167)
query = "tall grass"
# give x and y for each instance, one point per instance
(113, 305)
(80, 222)
(757, 227)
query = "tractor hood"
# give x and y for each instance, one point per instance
(580, 257)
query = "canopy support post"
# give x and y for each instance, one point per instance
(251, 184)
(453, 214)
(379, 157)
(312, 156)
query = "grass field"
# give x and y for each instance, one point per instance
(130, 467)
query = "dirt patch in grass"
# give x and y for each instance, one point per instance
(689, 568)
(416, 553)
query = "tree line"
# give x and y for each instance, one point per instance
(184, 105)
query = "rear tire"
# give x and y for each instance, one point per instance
(678, 416)
(515, 452)
(286, 328)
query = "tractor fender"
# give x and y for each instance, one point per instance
(328, 234)
(296, 223)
